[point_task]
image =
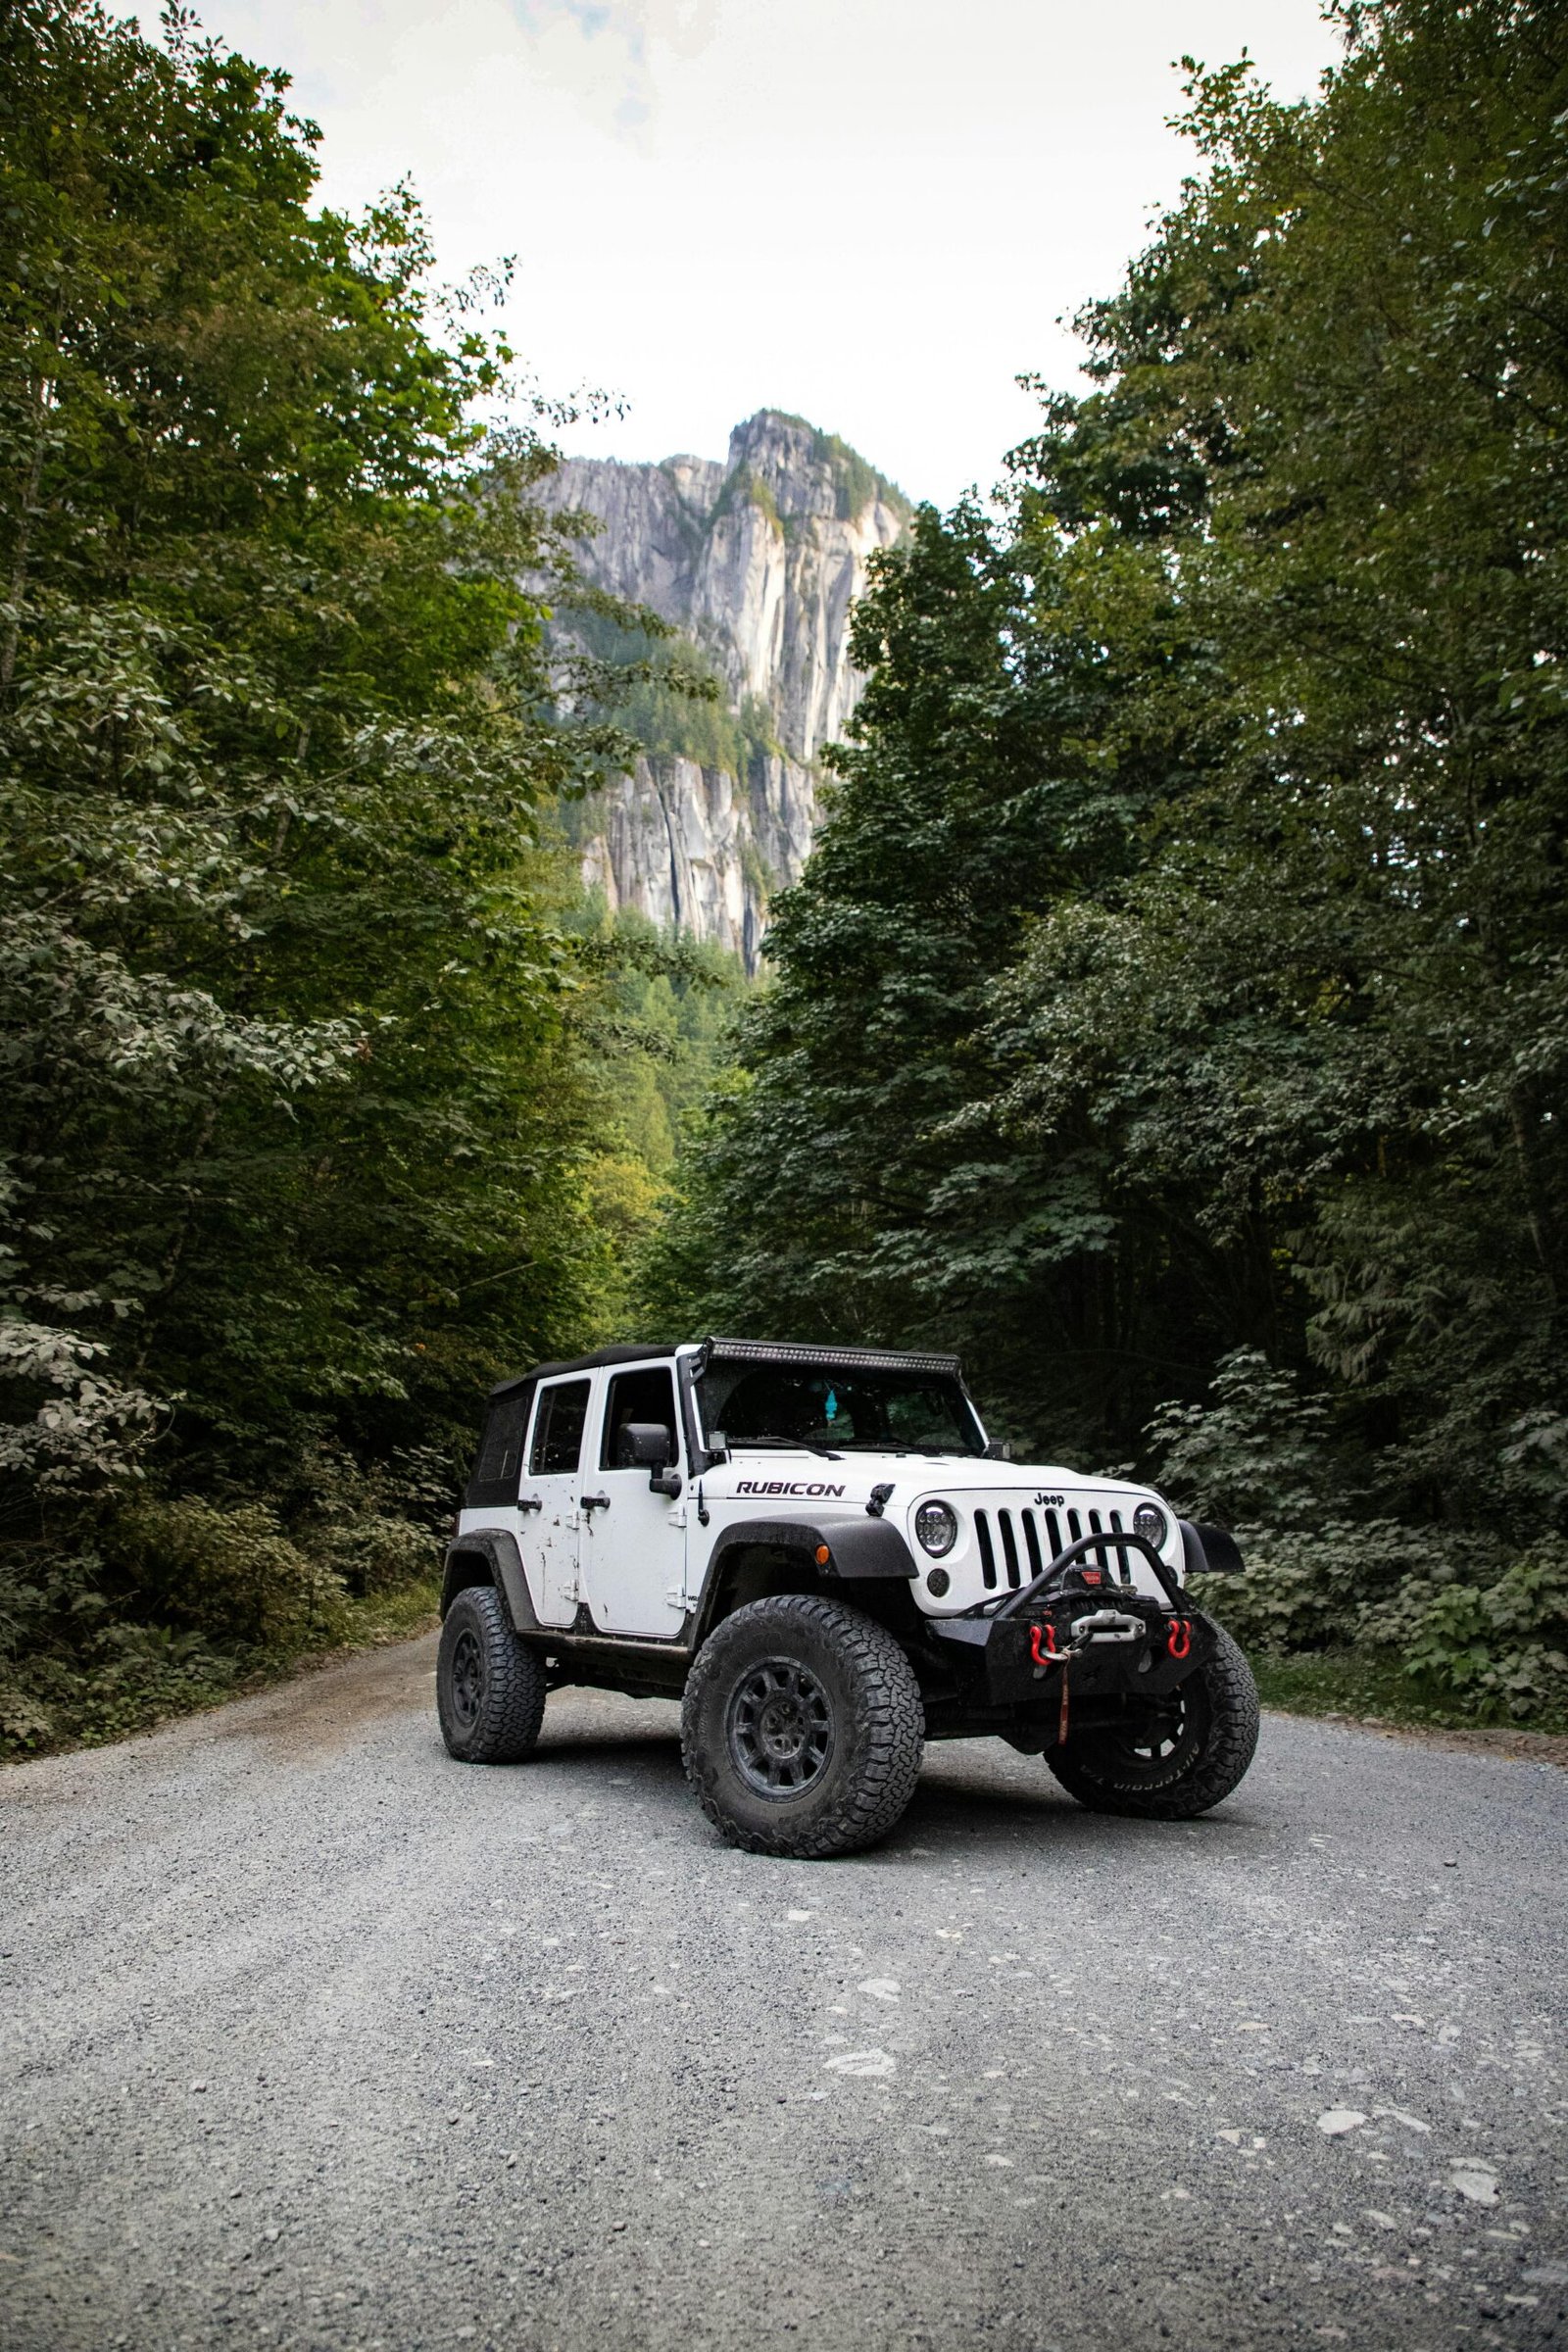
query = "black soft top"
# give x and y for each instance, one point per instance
(581, 1363)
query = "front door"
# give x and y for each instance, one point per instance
(633, 1560)
(552, 1498)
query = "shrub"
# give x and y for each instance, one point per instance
(1320, 1588)
(374, 1553)
(1476, 1628)
(1498, 1649)
(1257, 1452)
(229, 1573)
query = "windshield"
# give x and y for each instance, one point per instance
(841, 1412)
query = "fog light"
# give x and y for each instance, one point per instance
(938, 1581)
(936, 1528)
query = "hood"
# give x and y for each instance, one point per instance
(788, 1469)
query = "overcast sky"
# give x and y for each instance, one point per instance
(873, 213)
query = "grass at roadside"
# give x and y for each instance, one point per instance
(1372, 1686)
(395, 1616)
(158, 1677)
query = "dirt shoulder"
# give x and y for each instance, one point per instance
(1519, 1747)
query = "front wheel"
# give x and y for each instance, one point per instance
(489, 1686)
(1190, 1762)
(801, 1727)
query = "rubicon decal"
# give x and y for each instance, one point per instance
(784, 1486)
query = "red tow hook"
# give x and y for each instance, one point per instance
(1179, 1637)
(1050, 1655)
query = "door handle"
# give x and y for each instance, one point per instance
(594, 1502)
(530, 1503)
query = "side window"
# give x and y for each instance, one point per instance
(557, 1427)
(495, 1475)
(640, 1396)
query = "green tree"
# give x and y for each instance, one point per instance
(296, 1139)
(1180, 981)
(1003, 761)
(1329, 1011)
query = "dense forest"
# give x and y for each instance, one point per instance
(326, 1100)
(1173, 1015)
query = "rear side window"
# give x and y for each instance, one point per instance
(494, 1483)
(643, 1395)
(558, 1430)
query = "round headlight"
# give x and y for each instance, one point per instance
(936, 1528)
(1151, 1522)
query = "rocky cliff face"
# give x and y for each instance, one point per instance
(757, 560)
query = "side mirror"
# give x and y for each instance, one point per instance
(643, 1444)
(648, 1444)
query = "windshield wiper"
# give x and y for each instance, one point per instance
(796, 1445)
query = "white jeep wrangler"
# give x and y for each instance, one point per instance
(819, 1553)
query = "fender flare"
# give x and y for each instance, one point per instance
(860, 1551)
(496, 1547)
(857, 1549)
(1209, 1550)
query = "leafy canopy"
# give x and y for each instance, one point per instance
(297, 1128)
(1181, 972)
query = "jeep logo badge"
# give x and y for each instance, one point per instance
(1051, 1503)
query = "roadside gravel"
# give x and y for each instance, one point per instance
(312, 2037)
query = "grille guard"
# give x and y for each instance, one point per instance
(1056, 1572)
(1107, 1641)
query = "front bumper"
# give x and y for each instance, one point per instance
(1079, 1625)
(1147, 1655)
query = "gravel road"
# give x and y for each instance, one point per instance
(314, 2037)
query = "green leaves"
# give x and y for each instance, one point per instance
(1178, 982)
(296, 1129)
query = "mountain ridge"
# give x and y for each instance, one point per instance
(756, 560)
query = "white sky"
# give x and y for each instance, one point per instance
(870, 212)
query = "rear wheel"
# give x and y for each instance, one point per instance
(1191, 1760)
(489, 1686)
(801, 1727)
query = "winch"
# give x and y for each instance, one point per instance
(1080, 1623)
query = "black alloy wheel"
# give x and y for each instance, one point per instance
(780, 1727)
(466, 1680)
(801, 1727)
(1164, 1749)
(489, 1685)
(1187, 1760)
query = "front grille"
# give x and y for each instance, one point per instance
(1016, 1570)
(988, 1559)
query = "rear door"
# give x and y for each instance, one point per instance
(552, 1496)
(633, 1557)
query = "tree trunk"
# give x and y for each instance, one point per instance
(25, 522)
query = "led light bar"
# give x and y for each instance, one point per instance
(827, 1359)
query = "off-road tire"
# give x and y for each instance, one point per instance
(489, 1686)
(1109, 1776)
(857, 1682)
